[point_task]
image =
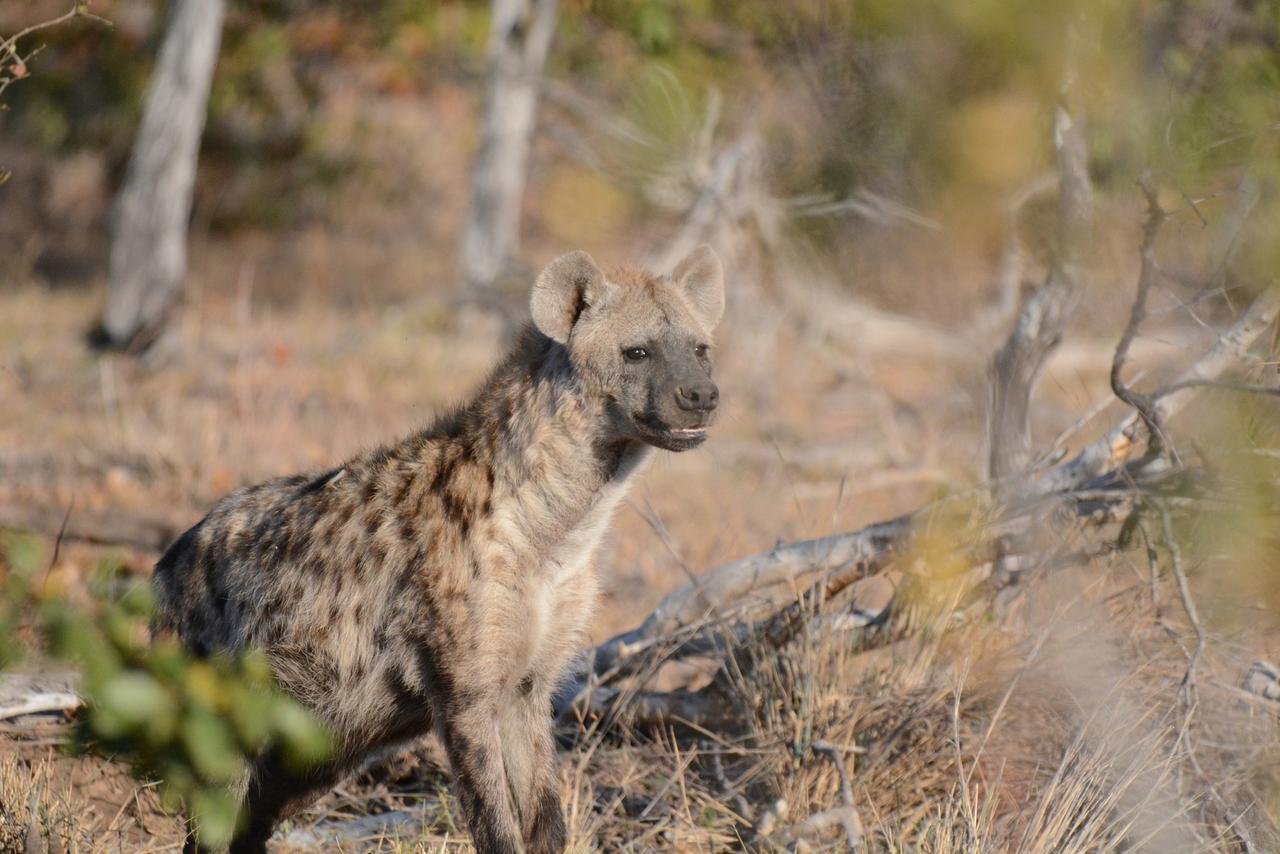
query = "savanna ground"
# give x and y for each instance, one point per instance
(1053, 717)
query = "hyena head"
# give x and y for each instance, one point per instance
(641, 343)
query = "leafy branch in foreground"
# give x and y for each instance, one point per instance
(192, 723)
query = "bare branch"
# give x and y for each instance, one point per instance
(724, 589)
(18, 61)
(1157, 440)
(1188, 603)
(1228, 352)
(849, 815)
(42, 702)
(1045, 311)
(744, 586)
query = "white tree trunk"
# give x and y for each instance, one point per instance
(149, 239)
(519, 40)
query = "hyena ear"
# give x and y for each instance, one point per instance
(701, 276)
(562, 290)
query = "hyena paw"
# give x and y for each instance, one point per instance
(547, 833)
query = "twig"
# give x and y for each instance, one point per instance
(1145, 405)
(849, 815)
(1188, 603)
(846, 817)
(57, 542)
(9, 46)
(110, 527)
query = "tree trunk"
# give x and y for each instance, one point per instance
(149, 239)
(519, 41)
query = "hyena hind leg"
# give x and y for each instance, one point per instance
(276, 792)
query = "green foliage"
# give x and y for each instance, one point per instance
(191, 723)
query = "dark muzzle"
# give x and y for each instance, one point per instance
(698, 397)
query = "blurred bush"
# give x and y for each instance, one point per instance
(941, 106)
(193, 724)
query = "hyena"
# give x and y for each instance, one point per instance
(443, 583)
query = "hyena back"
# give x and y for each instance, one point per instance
(444, 582)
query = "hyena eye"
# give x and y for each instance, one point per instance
(635, 354)
(701, 350)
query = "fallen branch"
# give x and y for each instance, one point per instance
(789, 564)
(697, 612)
(1228, 352)
(40, 703)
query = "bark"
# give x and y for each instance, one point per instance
(149, 240)
(519, 41)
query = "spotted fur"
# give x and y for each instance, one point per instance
(443, 582)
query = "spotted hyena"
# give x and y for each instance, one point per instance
(443, 582)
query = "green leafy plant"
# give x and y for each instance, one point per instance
(191, 723)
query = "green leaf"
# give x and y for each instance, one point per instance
(304, 740)
(137, 700)
(211, 747)
(214, 814)
(251, 713)
(24, 553)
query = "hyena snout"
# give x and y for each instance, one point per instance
(698, 396)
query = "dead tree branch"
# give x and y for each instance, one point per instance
(1144, 404)
(1045, 311)
(727, 595)
(728, 588)
(35, 704)
(1227, 353)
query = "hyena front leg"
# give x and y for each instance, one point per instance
(470, 732)
(528, 750)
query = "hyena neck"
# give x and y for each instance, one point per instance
(536, 418)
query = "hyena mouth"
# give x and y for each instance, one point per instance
(669, 438)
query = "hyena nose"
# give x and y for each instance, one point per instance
(702, 397)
